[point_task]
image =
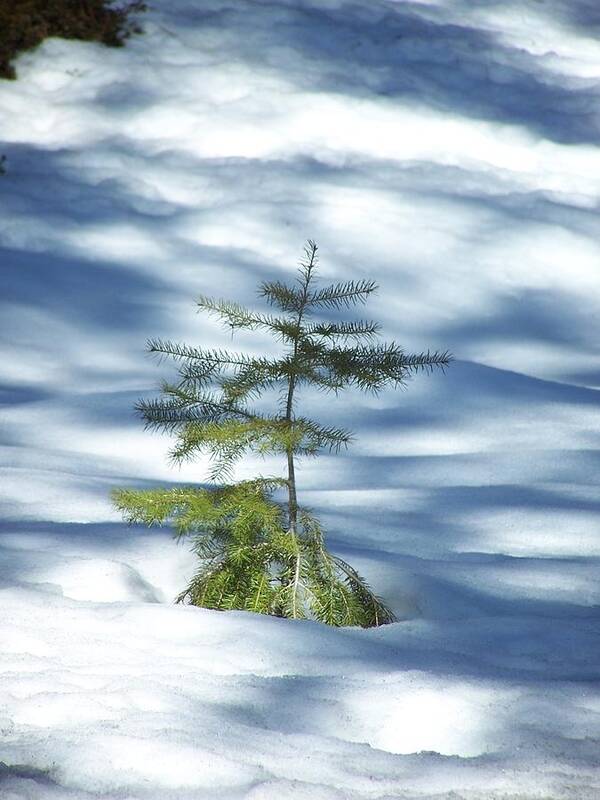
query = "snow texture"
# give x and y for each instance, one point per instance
(446, 148)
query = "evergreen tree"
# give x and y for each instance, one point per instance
(255, 553)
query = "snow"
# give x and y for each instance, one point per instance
(445, 148)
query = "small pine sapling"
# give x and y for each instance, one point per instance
(255, 553)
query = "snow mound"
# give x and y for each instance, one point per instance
(99, 580)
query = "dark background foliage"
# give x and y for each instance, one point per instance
(26, 23)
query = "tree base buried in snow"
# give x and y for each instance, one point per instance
(250, 561)
(257, 554)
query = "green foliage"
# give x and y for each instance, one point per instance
(26, 23)
(2, 165)
(248, 559)
(257, 554)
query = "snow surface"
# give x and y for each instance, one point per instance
(446, 148)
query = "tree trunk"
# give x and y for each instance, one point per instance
(292, 499)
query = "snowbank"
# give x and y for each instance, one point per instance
(451, 153)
